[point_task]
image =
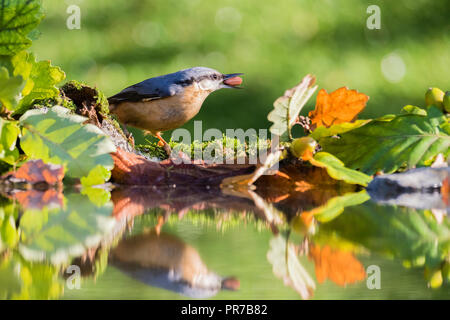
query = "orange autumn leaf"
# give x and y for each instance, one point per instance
(341, 267)
(342, 105)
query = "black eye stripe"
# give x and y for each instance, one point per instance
(188, 82)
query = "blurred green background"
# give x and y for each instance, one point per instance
(274, 43)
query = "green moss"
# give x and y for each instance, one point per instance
(57, 101)
(231, 147)
(79, 92)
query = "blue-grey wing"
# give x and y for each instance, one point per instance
(154, 88)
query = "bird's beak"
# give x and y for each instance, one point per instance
(232, 80)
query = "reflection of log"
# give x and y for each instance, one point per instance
(166, 261)
(297, 189)
(136, 200)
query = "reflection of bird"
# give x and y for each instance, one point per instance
(167, 102)
(167, 262)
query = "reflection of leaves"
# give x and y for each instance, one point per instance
(18, 18)
(58, 234)
(36, 171)
(36, 199)
(341, 267)
(342, 105)
(58, 137)
(335, 206)
(9, 234)
(387, 145)
(405, 234)
(9, 131)
(288, 106)
(20, 279)
(337, 170)
(286, 266)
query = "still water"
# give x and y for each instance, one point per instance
(188, 243)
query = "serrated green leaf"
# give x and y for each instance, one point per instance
(406, 140)
(56, 136)
(37, 81)
(58, 234)
(9, 131)
(10, 88)
(97, 176)
(322, 131)
(17, 19)
(288, 107)
(41, 79)
(337, 170)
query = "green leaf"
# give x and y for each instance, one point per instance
(97, 176)
(337, 170)
(59, 234)
(30, 81)
(406, 140)
(288, 107)
(41, 79)
(56, 136)
(17, 19)
(322, 131)
(414, 110)
(10, 89)
(9, 131)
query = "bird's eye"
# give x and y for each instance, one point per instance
(215, 76)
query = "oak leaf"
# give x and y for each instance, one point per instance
(342, 105)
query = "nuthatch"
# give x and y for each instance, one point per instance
(167, 102)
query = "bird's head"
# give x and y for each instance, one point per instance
(210, 80)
